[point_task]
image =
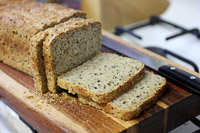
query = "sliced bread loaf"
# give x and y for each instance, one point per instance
(68, 45)
(20, 21)
(129, 105)
(102, 78)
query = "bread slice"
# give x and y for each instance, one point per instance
(129, 105)
(23, 19)
(69, 45)
(36, 51)
(102, 78)
(39, 75)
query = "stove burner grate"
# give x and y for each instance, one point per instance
(156, 20)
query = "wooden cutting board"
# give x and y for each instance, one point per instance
(53, 113)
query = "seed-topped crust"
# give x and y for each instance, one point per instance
(40, 81)
(23, 19)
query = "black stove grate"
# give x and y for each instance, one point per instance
(163, 52)
(156, 20)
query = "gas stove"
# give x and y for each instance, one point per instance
(144, 34)
(174, 34)
(183, 49)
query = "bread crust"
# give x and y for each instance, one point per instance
(103, 97)
(40, 81)
(7, 2)
(20, 21)
(130, 113)
(27, 15)
(54, 33)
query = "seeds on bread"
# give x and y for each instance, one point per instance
(20, 21)
(69, 45)
(142, 96)
(129, 105)
(102, 78)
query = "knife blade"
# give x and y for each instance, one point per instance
(187, 80)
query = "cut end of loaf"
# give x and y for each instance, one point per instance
(69, 45)
(103, 78)
(80, 43)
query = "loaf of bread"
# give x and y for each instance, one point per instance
(129, 105)
(102, 78)
(20, 22)
(58, 46)
(68, 45)
(23, 25)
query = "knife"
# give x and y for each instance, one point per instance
(187, 80)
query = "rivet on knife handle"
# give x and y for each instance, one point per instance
(186, 79)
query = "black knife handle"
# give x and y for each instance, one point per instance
(191, 82)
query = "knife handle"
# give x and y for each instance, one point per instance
(191, 82)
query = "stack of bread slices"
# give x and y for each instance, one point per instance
(60, 48)
(118, 85)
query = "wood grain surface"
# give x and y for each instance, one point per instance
(63, 113)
